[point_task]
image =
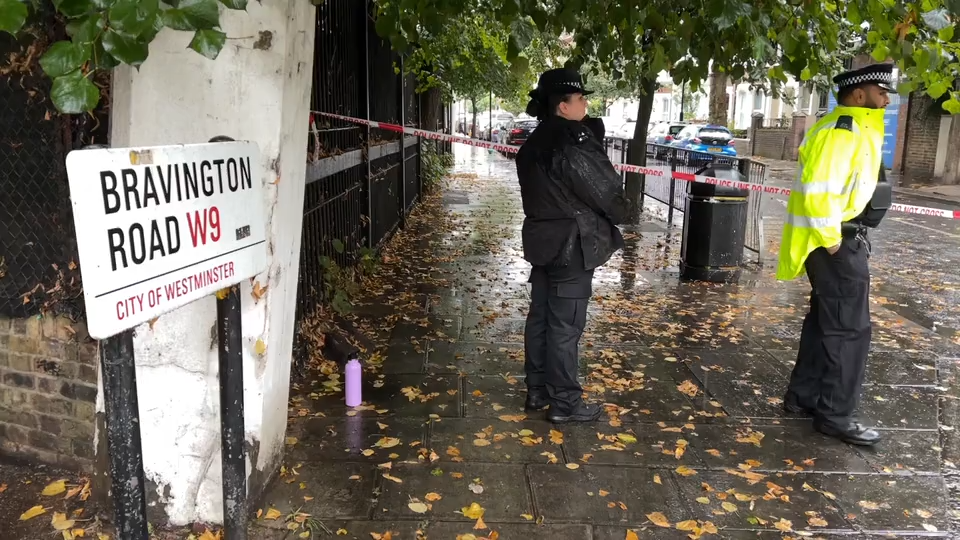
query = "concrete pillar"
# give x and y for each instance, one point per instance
(756, 122)
(799, 129)
(257, 90)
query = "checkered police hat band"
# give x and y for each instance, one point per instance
(884, 78)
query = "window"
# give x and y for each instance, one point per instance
(688, 132)
(676, 129)
(824, 100)
(758, 100)
(805, 95)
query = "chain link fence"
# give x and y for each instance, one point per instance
(38, 268)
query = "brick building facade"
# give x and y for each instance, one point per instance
(48, 391)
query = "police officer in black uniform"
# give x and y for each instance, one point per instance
(835, 339)
(573, 200)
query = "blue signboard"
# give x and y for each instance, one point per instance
(889, 126)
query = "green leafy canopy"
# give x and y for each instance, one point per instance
(763, 43)
(106, 33)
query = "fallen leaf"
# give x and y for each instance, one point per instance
(689, 388)
(750, 437)
(929, 527)
(3, 487)
(714, 452)
(367, 452)
(272, 514)
(527, 517)
(683, 470)
(656, 479)
(703, 500)
(626, 437)
(32, 513)
(513, 417)
(418, 507)
(924, 514)
(784, 525)
(868, 505)
(55, 488)
(60, 521)
(572, 466)
(556, 437)
(392, 478)
(728, 506)
(481, 442)
(817, 522)
(260, 347)
(631, 535)
(658, 519)
(387, 442)
(291, 441)
(474, 511)
(688, 525)
(480, 525)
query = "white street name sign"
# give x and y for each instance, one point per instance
(160, 227)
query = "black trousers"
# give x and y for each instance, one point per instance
(555, 322)
(835, 338)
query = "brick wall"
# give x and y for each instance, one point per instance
(774, 143)
(921, 139)
(48, 388)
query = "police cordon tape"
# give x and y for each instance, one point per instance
(653, 170)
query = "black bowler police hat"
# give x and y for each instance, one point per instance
(560, 81)
(878, 74)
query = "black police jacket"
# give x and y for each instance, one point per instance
(572, 196)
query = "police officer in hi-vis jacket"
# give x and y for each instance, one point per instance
(839, 194)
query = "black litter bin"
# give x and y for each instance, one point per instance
(714, 226)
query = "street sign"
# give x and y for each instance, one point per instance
(160, 227)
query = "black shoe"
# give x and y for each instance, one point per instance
(584, 413)
(852, 433)
(536, 401)
(791, 406)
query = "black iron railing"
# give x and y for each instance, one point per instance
(361, 182)
(671, 193)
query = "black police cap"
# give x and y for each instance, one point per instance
(878, 74)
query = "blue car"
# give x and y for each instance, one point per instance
(703, 142)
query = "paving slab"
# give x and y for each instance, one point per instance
(484, 358)
(889, 503)
(486, 440)
(504, 495)
(345, 491)
(356, 438)
(604, 495)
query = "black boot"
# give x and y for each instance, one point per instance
(851, 433)
(536, 400)
(583, 413)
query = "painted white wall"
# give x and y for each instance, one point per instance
(942, 140)
(260, 94)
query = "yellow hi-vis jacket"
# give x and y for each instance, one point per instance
(839, 163)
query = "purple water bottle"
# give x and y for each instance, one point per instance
(353, 376)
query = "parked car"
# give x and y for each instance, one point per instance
(663, 133)
(703, 142)
(626, 130)
(516, 133)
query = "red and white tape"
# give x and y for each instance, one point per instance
(650, 170)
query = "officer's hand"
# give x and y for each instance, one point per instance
(833, 250)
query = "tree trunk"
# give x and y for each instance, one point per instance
(733, 108)
(638, 148)
(951, 169)
(718, 99)
(430, 115)
(473, 126)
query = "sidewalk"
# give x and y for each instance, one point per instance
(691, 375)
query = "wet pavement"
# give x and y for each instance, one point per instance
(694, 441)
